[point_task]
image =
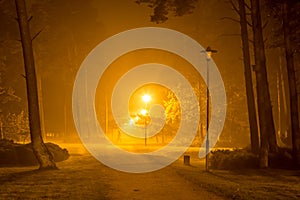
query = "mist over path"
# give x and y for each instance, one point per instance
(83, 177)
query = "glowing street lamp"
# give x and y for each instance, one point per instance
(146, 98)
(144, 112)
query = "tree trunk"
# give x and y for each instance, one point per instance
(267, 129)
(248, 80)
(1, 130)
(292, 85)
(40, 150)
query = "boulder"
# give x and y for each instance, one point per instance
(13, 154)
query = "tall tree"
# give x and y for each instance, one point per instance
(248, 79)
(265, 113)
(292, 81)
(40, 150)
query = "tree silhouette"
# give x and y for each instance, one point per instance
(40, 150)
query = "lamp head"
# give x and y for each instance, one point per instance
(146, 98)
(210, 51)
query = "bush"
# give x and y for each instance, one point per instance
(282, 160)
(232, 160)
(244, 159)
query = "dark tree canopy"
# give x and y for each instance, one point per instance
(162, 9)
(275, 7)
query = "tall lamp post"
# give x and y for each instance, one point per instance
(146, 98)
(209, 51)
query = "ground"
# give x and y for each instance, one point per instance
(83, 177)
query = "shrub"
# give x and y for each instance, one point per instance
(282, 159)
(244, 159)
(233, 159)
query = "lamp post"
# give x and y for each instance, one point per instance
(209, 53)
(146, 98)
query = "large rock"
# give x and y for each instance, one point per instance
(12, 154)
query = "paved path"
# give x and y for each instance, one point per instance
(159, 185)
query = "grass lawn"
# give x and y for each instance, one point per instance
(69, 182)
(83, 177)
(243, 184)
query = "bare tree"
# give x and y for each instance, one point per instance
(40, 150)
(248, 78)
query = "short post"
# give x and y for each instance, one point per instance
(186, 160)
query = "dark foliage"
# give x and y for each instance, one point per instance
(232, 160)
(163, 8)
(274, 13)
(282, 160)
(243, 159)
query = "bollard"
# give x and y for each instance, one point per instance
(186, 160)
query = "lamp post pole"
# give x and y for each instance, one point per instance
(145, 132)
(209, 52)
(146, 98)
(207, 114)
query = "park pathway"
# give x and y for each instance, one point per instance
(159, 185)
(163, 184)
(83, 177)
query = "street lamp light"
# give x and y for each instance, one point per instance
(209, 51)
(144, 112)
(146, 98)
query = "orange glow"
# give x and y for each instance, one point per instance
(145, 97)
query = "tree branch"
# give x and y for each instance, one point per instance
(234, 7)
(229, 18)
(37, 34)
(229, 34)
(30, 18)
(18, 99)
(249, 24)
(265, 24)
(247, 6)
